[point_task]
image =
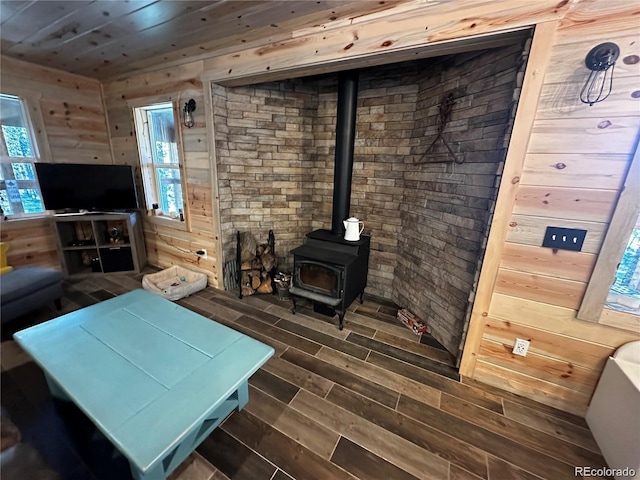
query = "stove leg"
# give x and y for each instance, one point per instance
(340, 320)
(293, 304)
(361, 295)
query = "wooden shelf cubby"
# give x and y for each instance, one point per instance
(100, 243)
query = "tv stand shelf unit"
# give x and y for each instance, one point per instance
(98, 243)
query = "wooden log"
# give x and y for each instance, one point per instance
(247, 246)
(265, 286)
(256, 264)
(247, 290)
(255, 281)
(268, 261)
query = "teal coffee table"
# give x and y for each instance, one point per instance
(154, 377)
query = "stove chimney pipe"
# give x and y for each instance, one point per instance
(345, 138)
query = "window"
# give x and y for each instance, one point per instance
(613, 293)
(159, 159)
(624, 294)
(19, 190)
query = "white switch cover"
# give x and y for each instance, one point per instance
(521, 346)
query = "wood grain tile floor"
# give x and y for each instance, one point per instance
(368, 402)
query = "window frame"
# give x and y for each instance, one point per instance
(623, 221)
(39, 144)
(145, 160)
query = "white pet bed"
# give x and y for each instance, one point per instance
(175, 282)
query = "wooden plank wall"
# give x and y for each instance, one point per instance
(72, 129)
(31, 243)
(532, 293)
(574, 167)
(71, 108)
(168, 246)
(535, 294)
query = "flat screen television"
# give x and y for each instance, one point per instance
(77, 187)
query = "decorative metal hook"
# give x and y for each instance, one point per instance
(444, 115)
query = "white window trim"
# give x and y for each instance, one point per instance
(34, 116)
(143, 151)
(39, 140)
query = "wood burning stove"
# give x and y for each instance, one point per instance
(319, 277)
(330, 271)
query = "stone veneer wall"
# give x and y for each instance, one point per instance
(275, 148)
(446, 206)
(385, 120)
(264, 156)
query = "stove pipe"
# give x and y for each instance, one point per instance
(345, 138)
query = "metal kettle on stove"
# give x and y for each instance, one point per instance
(353, 228)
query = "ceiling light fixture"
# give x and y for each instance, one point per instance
(601, 61)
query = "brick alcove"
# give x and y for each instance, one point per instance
(428, 222)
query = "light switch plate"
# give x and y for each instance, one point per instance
(564, 238)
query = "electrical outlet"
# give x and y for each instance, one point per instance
(202, 253)
(520, 347)
(564, 238)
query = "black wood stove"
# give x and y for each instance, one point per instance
(327, 269)
(330, 271)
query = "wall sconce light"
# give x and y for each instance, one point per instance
(600, 60)
(189, 108)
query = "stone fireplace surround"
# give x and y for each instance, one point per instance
(428, 222)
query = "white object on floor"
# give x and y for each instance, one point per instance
(614, 412)
(175, 282)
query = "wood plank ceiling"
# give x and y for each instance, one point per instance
(105, 39)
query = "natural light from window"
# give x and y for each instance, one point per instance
(159, 159)
(19, 190)
(624, 294)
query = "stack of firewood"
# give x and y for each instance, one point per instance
(257, 264)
